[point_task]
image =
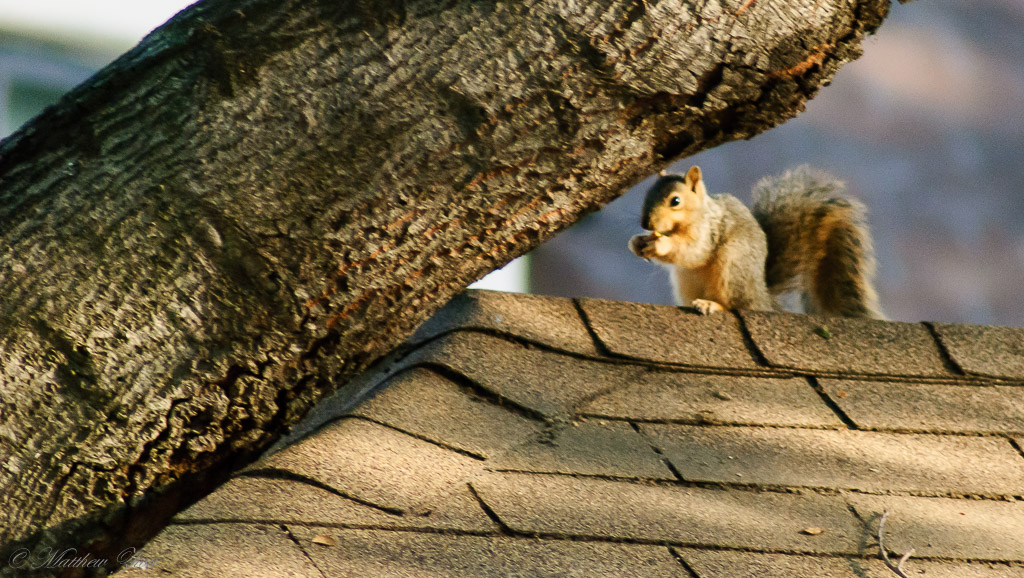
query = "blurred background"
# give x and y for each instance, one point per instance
(927, 128)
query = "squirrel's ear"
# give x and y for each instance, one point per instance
(663, 173)
(693, 177)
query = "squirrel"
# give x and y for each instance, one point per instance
(803, 234)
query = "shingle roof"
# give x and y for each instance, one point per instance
(524, 435)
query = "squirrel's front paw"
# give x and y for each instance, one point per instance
(648, 246)
(707, 307)
(639, 244)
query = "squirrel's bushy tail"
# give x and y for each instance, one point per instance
(818, 243)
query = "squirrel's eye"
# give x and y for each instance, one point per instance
(674, 202)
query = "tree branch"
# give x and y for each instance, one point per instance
(264, 197)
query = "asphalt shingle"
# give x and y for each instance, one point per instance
(860, 460)
(589, 448)
(260, 499)
(669, 334)
(586, 507)
(428, 405)
(551, 321)
(224, 550)
(543, 381)
(929, 407)
(275, 501)
(940, 527)
(693, 397)
(726, 564)
(985, 350)
(383, 467)
(844, 345)
(402, 554)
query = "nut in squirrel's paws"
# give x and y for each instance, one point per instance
(707, 307)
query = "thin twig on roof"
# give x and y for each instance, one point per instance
(897, 567)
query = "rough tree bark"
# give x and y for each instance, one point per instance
(263, 197)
